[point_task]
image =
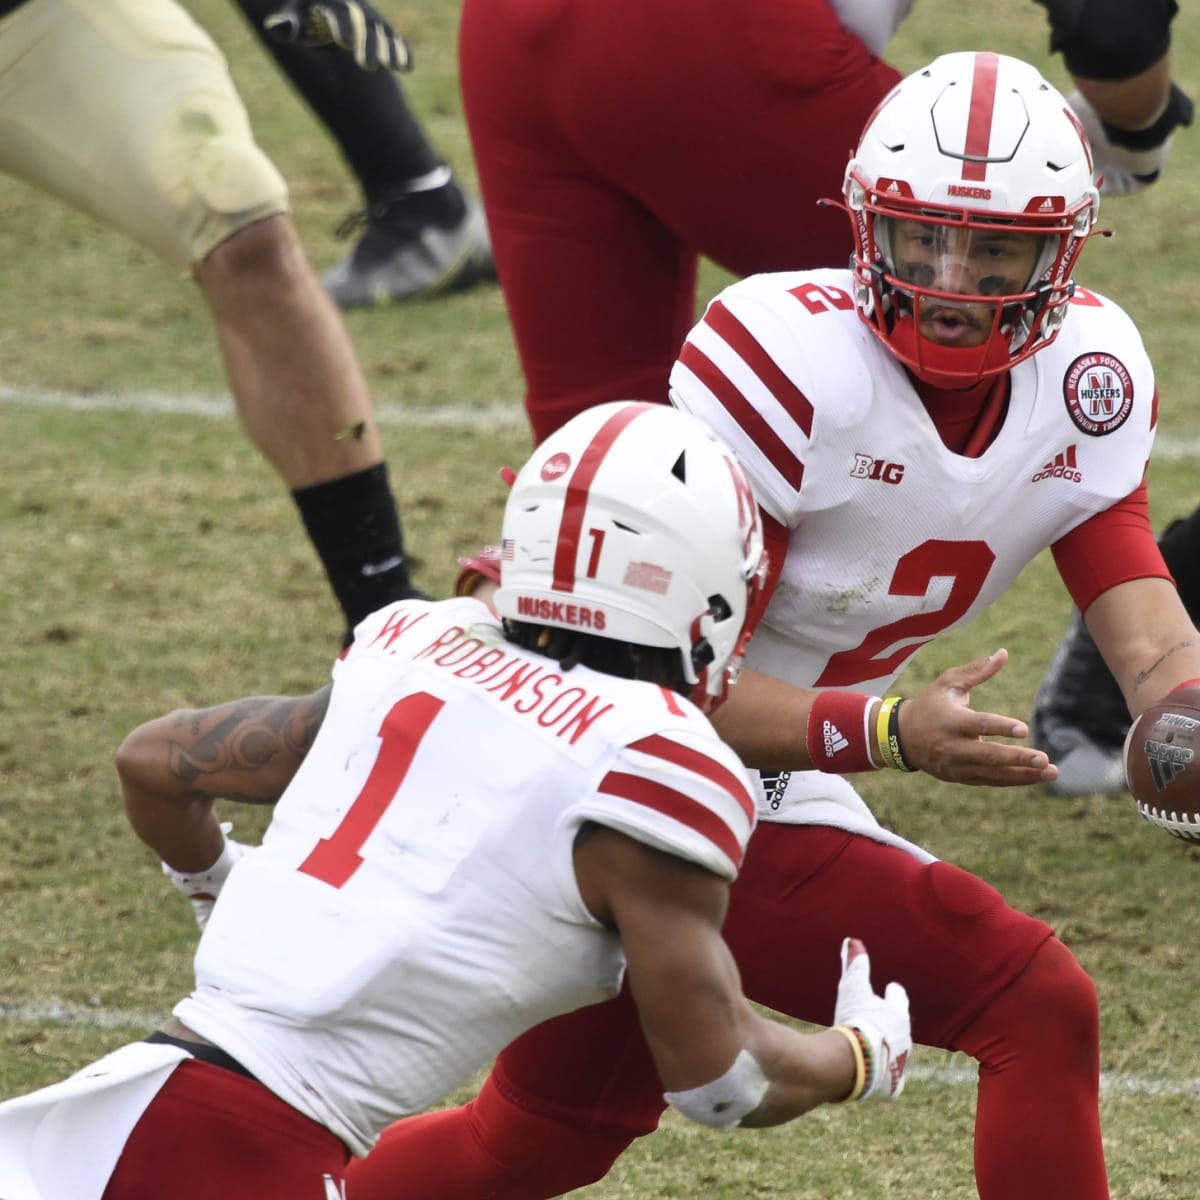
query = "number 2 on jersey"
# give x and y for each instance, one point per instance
(966, 563)
(334, 859)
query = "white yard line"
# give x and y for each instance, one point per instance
(452, 416)
(139, 1021)
(1168, 447)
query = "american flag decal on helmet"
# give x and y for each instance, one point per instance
(506, 550)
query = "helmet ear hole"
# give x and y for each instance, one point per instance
(702, 655)
(720, 608)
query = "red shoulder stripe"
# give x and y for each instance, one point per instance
(676, 806)
(750, 350)
(699, 764)
(749, 418)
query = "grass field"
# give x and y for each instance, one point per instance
(150, 559)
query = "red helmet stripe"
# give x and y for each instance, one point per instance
(575, 505)
(979, 120)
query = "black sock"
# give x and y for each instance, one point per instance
(355, 528)
(442, 206)
(365, 111)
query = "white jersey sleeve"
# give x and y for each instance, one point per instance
(758, 366)
(695, 803)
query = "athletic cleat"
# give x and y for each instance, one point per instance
(1080, 719)
(1087, 769)
(397, 259)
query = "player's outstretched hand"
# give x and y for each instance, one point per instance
(203, 887)
(1129, 161)
(353, 25)
(882, 1022)
(941, 733)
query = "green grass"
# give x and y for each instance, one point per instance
(153, 560)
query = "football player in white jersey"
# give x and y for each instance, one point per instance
(483, 823)
(916, 428)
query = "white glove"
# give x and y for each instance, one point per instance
(203, 887)
(881, 1021)
(1123, 170)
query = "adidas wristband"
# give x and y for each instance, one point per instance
(839, 733)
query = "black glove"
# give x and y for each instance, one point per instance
(353, 25)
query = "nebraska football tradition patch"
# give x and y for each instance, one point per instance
(1098, 393)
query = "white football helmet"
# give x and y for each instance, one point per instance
(634, 522)
(970, 195)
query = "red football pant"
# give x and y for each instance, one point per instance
(212, 1133)
(619, 140)
(566, 1098)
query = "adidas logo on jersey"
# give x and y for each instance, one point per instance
(1061, 466)
(774, 786)
(835, 740)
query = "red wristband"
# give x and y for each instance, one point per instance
(839, 733)
(1187, 683)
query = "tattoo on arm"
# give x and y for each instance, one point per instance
(1145, 675)
(246, 750)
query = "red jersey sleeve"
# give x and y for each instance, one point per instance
(1112, 547)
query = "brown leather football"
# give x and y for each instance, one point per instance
(1162, 763)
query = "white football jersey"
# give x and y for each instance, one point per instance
(893, 537)
(413, 906)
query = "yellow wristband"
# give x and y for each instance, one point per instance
(882, 721)
(860, 1062)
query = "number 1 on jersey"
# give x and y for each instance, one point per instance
(335, 859)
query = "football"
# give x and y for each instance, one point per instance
(1162, 763)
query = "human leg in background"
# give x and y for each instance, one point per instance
(606, 171)
(566, 1098)
(194, 188)
(1079, 715)
(302, 397)
(423, 234)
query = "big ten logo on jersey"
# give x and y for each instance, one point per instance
(819, 298)
(866, 467)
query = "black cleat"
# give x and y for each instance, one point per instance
(398, 258)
